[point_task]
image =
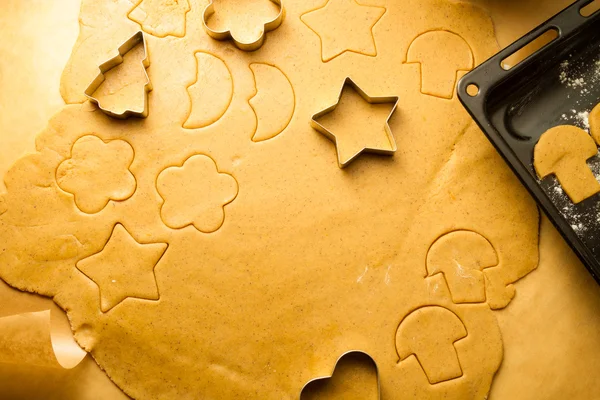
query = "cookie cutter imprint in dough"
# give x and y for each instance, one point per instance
(162, 18)
(427, 327)
(326, 377)
(119, 278)
(226, 34)
(274, 96)
(461, 256)
(369, 99)
(127, 46)
(333, 42)
(431, 63)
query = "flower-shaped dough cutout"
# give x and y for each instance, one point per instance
(196, 194)
(245, 22)
(97, 172)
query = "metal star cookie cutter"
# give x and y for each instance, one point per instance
(320, 378)
(127, 46)
(226, 34)
(369, 99)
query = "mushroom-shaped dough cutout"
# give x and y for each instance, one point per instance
(430, 333)
(563, 151)
(595, 123)
(441, 55)
(461, 256)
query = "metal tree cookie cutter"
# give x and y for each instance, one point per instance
(127, 46)
(351, 352)
(369, 99)
(226, 34)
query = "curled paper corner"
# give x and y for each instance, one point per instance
(30, 339)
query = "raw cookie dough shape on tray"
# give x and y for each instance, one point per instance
(563, 151)
(312, 261)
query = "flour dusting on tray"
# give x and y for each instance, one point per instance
(580, 79)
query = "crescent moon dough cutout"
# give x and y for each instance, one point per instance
(211, 93)
(274, 102)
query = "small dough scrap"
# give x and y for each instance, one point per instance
(563, 151)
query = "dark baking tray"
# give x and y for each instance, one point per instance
(556, 85)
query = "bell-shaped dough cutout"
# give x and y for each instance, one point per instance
(564, 151)
(461, 256)
(442, 55)
(274, 102)
(429, 333)
(211, 93)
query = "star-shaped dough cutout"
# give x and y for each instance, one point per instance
(358, 123)
(124, 268)
(344, 25)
